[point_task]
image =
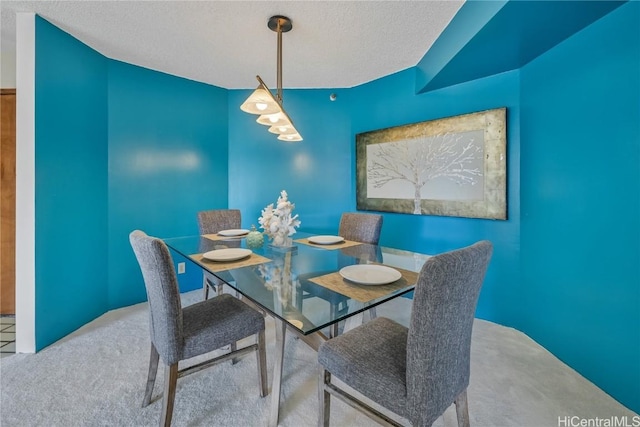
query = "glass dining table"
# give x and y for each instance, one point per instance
(308, 288)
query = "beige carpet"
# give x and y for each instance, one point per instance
(96, 377)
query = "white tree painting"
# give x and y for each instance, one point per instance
(448, 166)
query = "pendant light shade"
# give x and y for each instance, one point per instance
(277, 119)
(283, 130)
(264, 103)
(290, 138)
(260, 102)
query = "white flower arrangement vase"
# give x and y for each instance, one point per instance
(280, 224)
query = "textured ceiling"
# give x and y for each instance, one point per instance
(226, 43)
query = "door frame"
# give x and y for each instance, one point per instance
(8, 203)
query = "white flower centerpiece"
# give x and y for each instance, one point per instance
(279, 224)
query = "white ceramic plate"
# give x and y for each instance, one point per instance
(370, 274)
(326, 240)
(230, 254)
(233, 232)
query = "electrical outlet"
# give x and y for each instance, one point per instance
(181, 267)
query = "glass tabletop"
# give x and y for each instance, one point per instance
(305, 284)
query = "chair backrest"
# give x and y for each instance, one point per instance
(439, 340)
(213, 221)
(161, 283)
(361, 227)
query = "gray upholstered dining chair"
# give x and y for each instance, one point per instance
(419, 371)
(357, 227)
(211, 222)
(360, 227)
(179, 334)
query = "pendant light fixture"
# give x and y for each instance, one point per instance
(262, 102)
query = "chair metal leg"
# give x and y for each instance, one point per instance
(205, 286)
(276, 381)
(170, 380)
(233, 347)
(218, 286)
(333, 329)
(151, 377)
(462, 409)
(360, 406)
(261, 354)
(324, 398)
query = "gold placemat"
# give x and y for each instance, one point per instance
(219, 237)
(364, 293)
(343, 244)
(215, 266)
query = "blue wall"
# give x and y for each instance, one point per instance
(391, 101)
(167, 160)
(118, 147)
(71, 184)
(580, 202)
(316, 172)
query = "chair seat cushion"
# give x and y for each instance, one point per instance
(216, 322)
(372, 359)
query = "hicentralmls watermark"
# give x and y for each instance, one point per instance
(613, 421)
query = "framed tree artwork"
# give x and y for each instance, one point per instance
(455, 166)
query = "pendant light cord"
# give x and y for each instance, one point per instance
(279, 59)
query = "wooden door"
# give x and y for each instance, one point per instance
(8, 202)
